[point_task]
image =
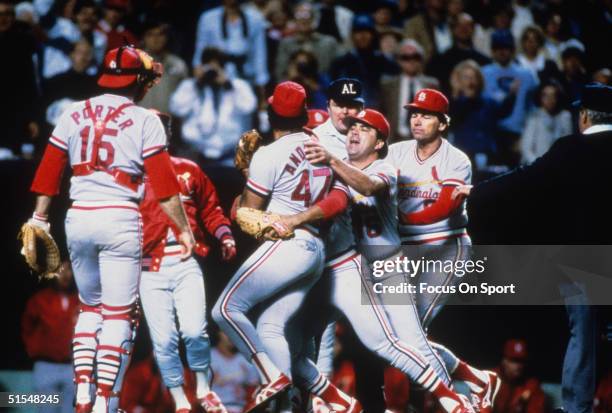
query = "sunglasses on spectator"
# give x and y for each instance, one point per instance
(409, 57)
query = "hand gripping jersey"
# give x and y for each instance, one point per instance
(420, 183)
(107, 139)
(280, 171)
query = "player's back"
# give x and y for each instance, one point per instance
(107, 138)
(281, 172)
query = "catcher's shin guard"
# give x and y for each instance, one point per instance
(84, 345)
(116, 341)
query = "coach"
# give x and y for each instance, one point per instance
(558, 199)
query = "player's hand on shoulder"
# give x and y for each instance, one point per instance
(228, 249)
(316, 153)
(187, 242)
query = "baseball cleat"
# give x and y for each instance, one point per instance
(487, 396)
(268, 393)
(211, 403)
(83, 407)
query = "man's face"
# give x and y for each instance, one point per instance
(304, 19)
(338, 112)
(7, 17)
(155, 40)
(411, 63)
(361, 141)
(362, 39)
(113, 16)
(86, 19)
(463, 29)
(513, 370)
(425, 127)
(502, 55)
(81, 56)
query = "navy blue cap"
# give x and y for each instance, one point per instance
(502, 39)
(596, 96)
(345, 90)
(363, 22)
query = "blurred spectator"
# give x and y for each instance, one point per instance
(389, 41)
(397, 390)
(215, 108)
(265, 7)
(279, 28)
(596, 32)
(518, 393)
(234, 378)
(385, 12)
(46, 329)
(574, 74)
(155, 42)
(603, 395)
(344, 376)
(324, 47)
(474, 115)
(546, 124)
(480, 38)
(441, 66)
(86, 19)
(430, 28)
(534, 56)
(316, 117)
(17, 82)
(111, 24)
(334, 20)
(77, 83)
(522, 17)
(364, 62)
(503, 77)
(303, 68)
(603, 76)
(399, 90)
(553, 37)
(501, 19)
(241, 34)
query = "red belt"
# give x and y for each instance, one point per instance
(121, 177)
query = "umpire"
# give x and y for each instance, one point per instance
(559, 199)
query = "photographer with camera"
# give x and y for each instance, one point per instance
(214, 108)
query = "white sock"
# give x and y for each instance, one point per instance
(180, 400)
(268, 372)
(83, 393)
(202, 387)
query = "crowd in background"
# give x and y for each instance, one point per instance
(510, 68)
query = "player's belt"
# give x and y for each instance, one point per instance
(432, 236)
(93, 205)
(121, 177)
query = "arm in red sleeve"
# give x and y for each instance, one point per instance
(161, 174)
(50, 170)
(333, 204)
(439, 210)
(209, 209)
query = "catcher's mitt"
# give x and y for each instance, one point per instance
(40, 250)
(247, 145)
(262, 225)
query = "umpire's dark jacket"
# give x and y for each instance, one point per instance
(562, 198)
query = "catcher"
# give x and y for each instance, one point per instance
(109, 143)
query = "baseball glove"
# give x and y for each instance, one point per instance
(247, 145)
(262, 225)
(40, 250)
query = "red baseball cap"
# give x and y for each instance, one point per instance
(316, 117)
(515, 349)
(374, 119)
(288, 99)
(429, 100)
(122, 66)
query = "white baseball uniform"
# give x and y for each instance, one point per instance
(286, 269)
(233, 375)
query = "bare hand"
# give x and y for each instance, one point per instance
(461, 191)
(316, 153)
(228, 249)
(187, 243)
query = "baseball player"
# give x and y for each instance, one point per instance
(375, 209)
(109, 143)
(170, 285)
(282, 181)
(430, 169)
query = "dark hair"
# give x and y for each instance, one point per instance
(279, 122)
(154, 23)
(213, 54)
(561, 96)
(82, 4)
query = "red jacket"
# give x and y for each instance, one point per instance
(523, 397)
(47, 325)
(201, 205)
